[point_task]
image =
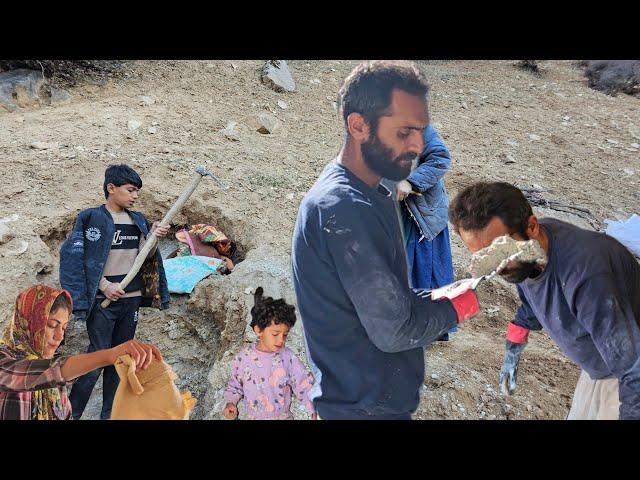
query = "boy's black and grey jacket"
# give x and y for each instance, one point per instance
(84, 254)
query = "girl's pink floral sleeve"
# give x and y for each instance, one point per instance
(234, 391)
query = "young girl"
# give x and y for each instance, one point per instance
(265, 373)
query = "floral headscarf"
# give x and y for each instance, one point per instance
(25, 336)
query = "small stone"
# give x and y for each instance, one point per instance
(247, 291)
(146, 101)
(513, 143)
(268, 123)
(231, 132)
(315, 81)
(21, 249)
(44, 145)
(507, 158)
(133, 125)
(628, 171)
(276, 74)
(154, 123)
(290, 196)
(152, 130)
(233, 65)
(566, 119)
(635, 145)
(165, 150)
(612, 141)
(534, 137)
(435, 376)
(529, 408)
(464, 105)
(282, 105)
(5, 234)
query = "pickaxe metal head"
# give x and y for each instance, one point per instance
(205, 173)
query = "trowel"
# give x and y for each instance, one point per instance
(457, 288)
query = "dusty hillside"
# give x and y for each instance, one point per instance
(577, 144)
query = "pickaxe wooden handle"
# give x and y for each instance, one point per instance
(152, 241)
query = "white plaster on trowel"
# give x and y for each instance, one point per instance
(503, 250)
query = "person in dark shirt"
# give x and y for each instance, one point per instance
(365, 328)
(587, 297)
(94, 259)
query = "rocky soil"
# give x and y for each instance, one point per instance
(550, 132)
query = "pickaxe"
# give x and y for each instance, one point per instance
(152, 241)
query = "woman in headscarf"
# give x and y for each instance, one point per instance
(33, 380)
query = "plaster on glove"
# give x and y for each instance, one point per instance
(509, 370)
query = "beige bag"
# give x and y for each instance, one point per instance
(149, 394)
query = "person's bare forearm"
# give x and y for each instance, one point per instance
(78, 365)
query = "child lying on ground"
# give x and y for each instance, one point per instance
(265, 373)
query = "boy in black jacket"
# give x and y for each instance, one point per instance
(94, 259)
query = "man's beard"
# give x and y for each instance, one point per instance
(521, 272)
(380, 159)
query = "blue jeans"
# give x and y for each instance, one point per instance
(107, 327)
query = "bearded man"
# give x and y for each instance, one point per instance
(586, 297)
(365, 327)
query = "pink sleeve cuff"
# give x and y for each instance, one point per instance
(517, 334)
(232, 398)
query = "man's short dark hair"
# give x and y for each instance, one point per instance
(266, 311)
(475, 206)
(367, 90)
(120, 175)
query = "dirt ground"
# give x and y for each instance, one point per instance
(574, 143)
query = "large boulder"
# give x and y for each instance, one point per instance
(22, 88)
(231, 302)
(276, 74)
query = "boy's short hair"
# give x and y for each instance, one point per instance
(475, 206)
(266, 310)
(120, 175)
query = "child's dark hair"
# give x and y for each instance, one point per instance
(266, 310)
(61, 301)
(120, 175)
